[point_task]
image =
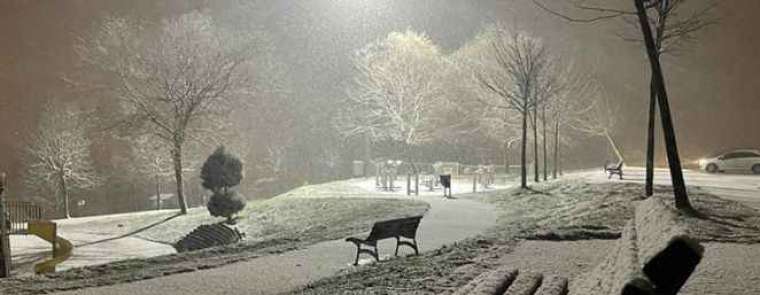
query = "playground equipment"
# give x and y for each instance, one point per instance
(47, 230)
(386, 175)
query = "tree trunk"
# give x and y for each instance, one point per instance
(523, 150)
(614, 146)
(671, 147)
(158, 193)
(543, 122)
(535, 146)
(408, 184)
(412, 165)
(177, 159)
(367, 153)
(506, 157)
(5, 247)
(416, 184)
(649, 182)
(559, 163)
(556, 149)
(65, 195)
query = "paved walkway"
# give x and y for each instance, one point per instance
(446, 222)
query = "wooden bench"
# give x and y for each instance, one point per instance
(612, 170)
(396, 228)
(654, 256)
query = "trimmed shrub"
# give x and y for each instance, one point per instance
(225, 204)
(221, 171)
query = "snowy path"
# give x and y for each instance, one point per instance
(446, 222)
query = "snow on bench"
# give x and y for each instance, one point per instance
(505, 280)
(654, 255)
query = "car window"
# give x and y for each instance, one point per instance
(738, 155)
(731, 156)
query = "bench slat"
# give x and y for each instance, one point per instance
(405, 227)
(494, 282)
(553, 285)
(526, 284)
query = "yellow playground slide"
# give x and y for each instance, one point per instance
(47, 230)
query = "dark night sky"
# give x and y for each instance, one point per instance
(714, 88)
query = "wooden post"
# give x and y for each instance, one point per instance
(5, 246)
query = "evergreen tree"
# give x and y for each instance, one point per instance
(220, 173)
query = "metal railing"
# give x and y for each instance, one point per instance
(19, 213)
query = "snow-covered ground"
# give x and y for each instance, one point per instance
(91, 246)
(447, 221)
(89, 249)
(738, 187)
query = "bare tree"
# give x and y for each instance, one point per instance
(547, 89)
(598, 118)
(152, 159)
(170, 82)
(58, 156)
(503, 126)
(396, 93)
(566, 105)
(512, 72)
(672, 26)
(470, 116)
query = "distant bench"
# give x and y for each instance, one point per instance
(654, 256)
(614, 169)
(396, 228)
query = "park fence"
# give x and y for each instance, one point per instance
(19, 214)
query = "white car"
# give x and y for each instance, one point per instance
(734, 161)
